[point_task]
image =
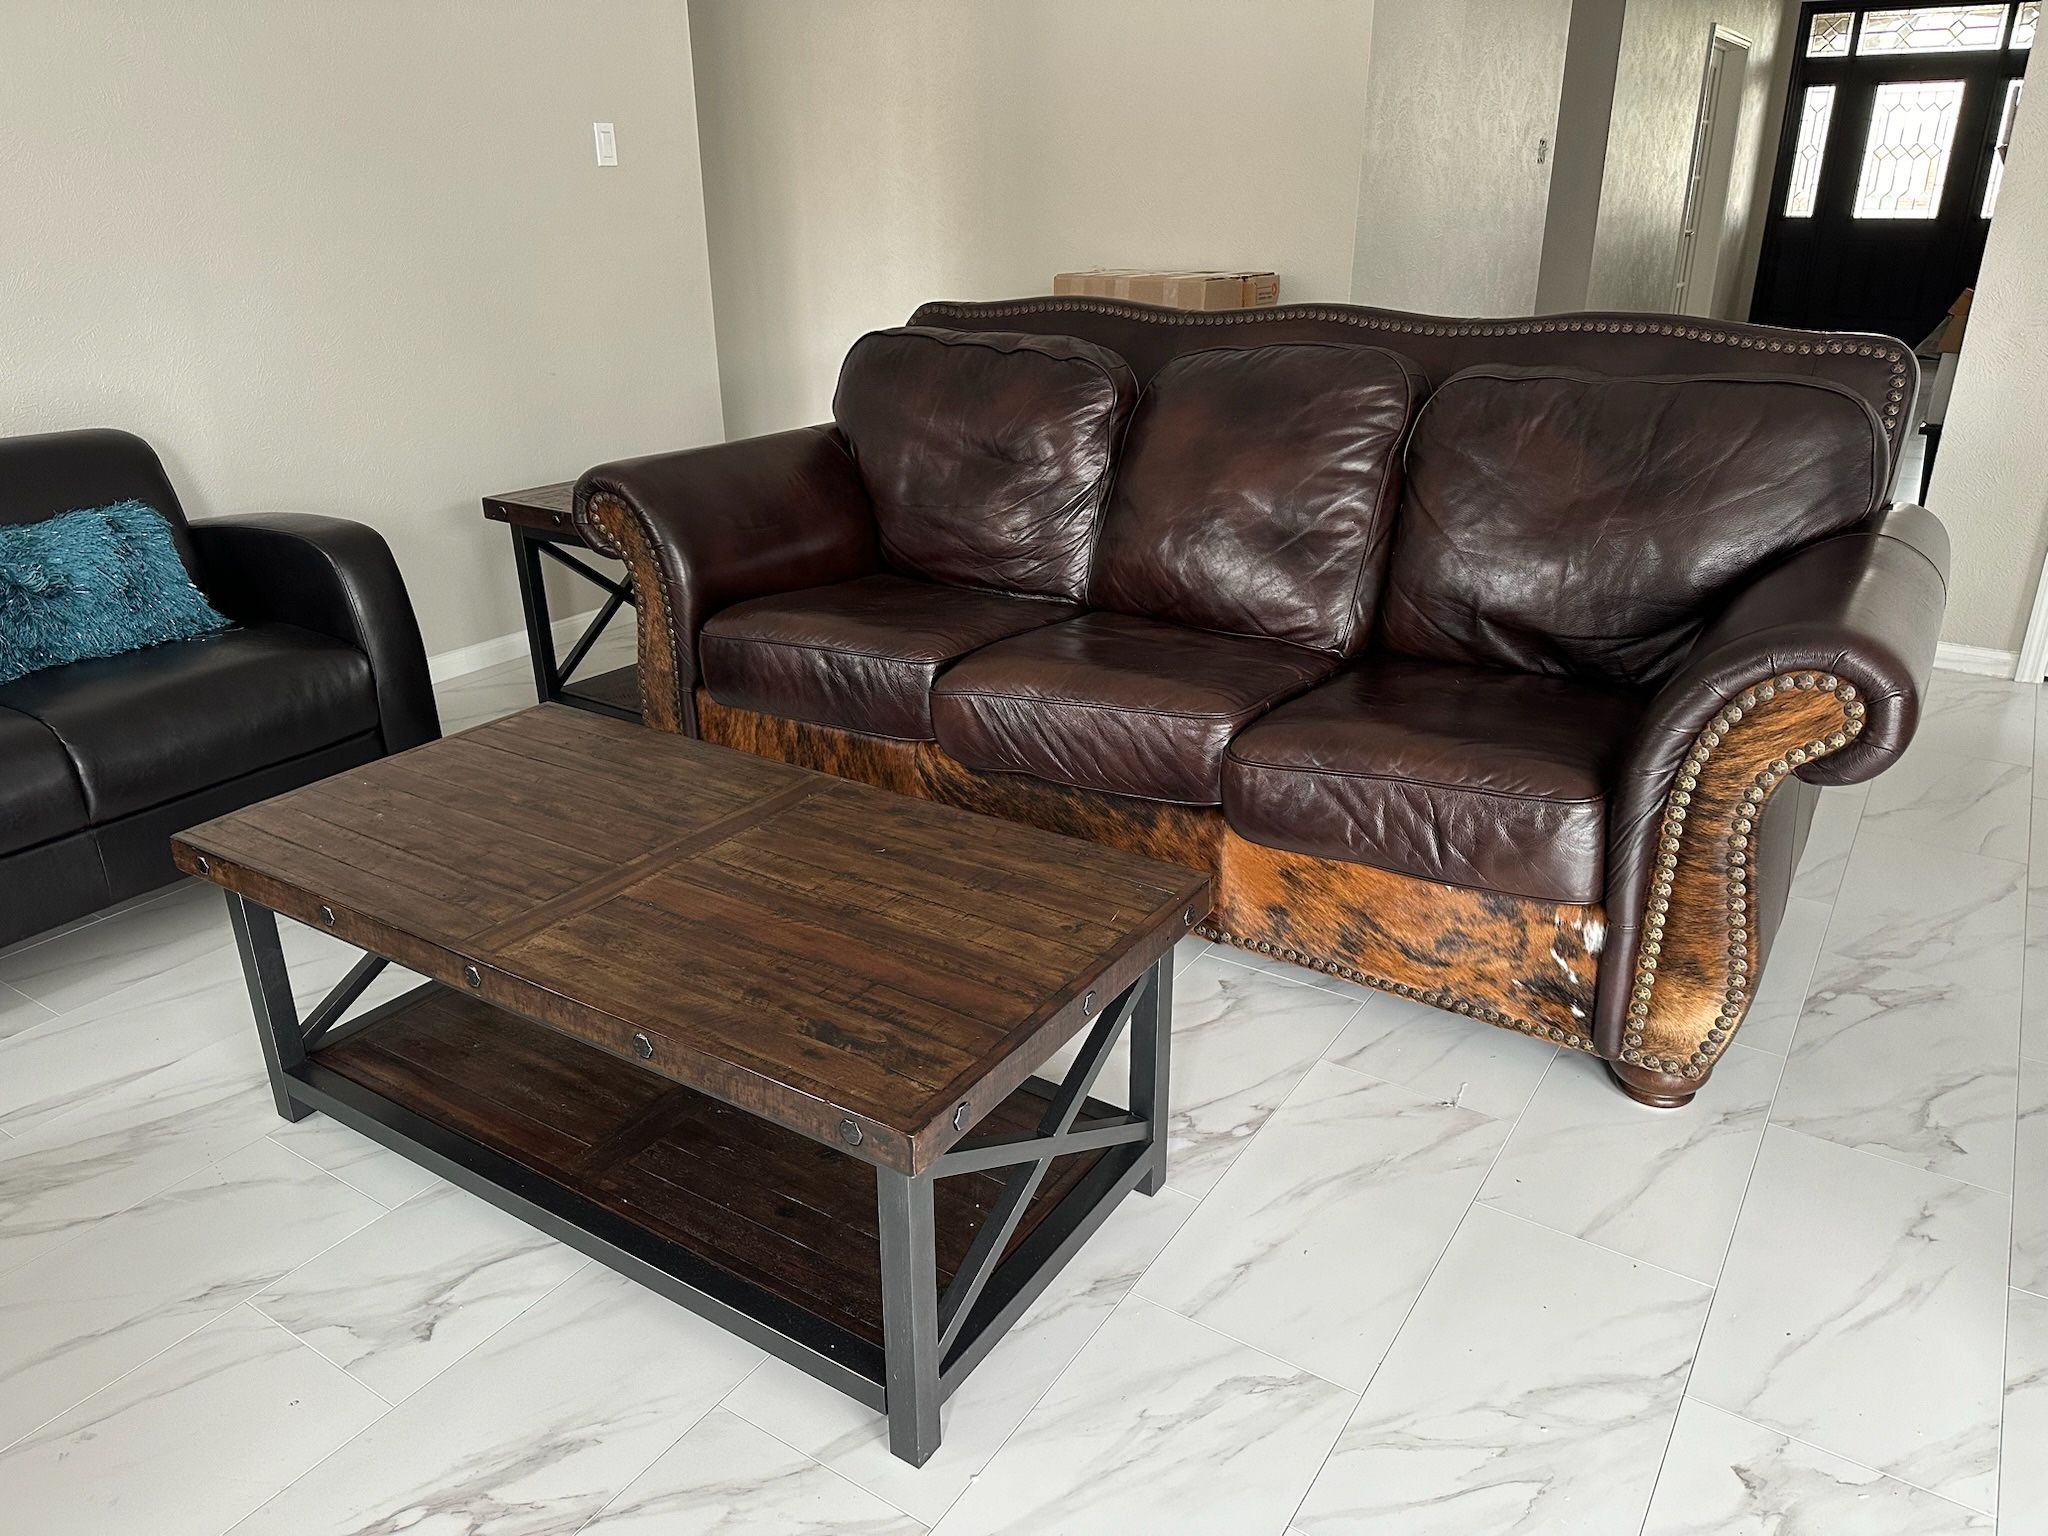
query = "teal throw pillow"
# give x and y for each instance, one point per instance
(98, 582)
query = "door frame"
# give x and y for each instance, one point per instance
(1739, 51)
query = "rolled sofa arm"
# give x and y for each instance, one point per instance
(1817, 669)
(705, 528)
(336, 578)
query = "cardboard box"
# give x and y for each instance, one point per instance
(1958, 321)
(1176, 290)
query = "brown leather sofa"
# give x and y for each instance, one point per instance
(1469, 655)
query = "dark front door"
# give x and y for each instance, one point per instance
(1889, 165)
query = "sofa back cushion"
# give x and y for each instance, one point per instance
(1257, 491)
(51, 472)
(987, 455)
(1580, 524)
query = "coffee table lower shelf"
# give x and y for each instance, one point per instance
(772, 1235)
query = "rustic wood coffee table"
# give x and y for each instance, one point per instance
(760, 1038)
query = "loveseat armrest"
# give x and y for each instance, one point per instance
(336, 578)
(705, 528)
(1817, 669)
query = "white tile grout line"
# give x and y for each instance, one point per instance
(1544, 1226)
(319, 1354)
(204, 1323)
(479, 1344)
(1748, 1184)
(1811, 1445)
(1394, 1339)
(719, 1407)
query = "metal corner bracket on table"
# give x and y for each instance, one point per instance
(932, 1339)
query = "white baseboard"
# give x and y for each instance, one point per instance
(1979, 660)
(503, 648)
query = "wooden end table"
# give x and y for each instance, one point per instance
(762, 1039)
(543, 530)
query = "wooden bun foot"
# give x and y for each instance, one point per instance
(1659, 1090)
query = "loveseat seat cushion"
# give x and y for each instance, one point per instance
(1471, 776)
(1110, 702)
(153, 725)
(1256, 492)
(986, 455)
(39, 794)
(1584, 525)
(860, 655)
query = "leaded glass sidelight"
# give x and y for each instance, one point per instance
(1905, 159)
(1816, 109)
(2005, 116)
(2023, 24)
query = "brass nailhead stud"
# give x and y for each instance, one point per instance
(849, 1132)
(643, 1047)
(472, 975)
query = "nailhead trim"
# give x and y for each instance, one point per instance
(1758, 339)
(1735, 994)
(1438, 997)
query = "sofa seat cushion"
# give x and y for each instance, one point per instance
(1471, 776)
(39, 794)
(860, 655)
(153, 725)
(1110, 702)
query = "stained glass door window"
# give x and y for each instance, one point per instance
(1828, 35)
(1934, 29)
(1905, 158)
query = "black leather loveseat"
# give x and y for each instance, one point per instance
(101, 761)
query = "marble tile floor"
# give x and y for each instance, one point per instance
(1409, 1275)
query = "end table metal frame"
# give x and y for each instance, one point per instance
(931, 1339)
(552, 675)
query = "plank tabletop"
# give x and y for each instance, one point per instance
(851, 964)
(551, 507)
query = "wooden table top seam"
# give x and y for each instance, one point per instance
(581, 899)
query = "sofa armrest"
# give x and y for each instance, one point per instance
(708, 527)
(1864, 606)
(1817, 669)
(336, 578)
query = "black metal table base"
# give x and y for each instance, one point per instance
(553, 676)
(931, 1339)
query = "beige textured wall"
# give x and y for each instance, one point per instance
(1656, 105)
(1452, 187)
(357, 258)
(863, 156)
(1991, 476)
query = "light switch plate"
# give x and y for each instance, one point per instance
(607, 143)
